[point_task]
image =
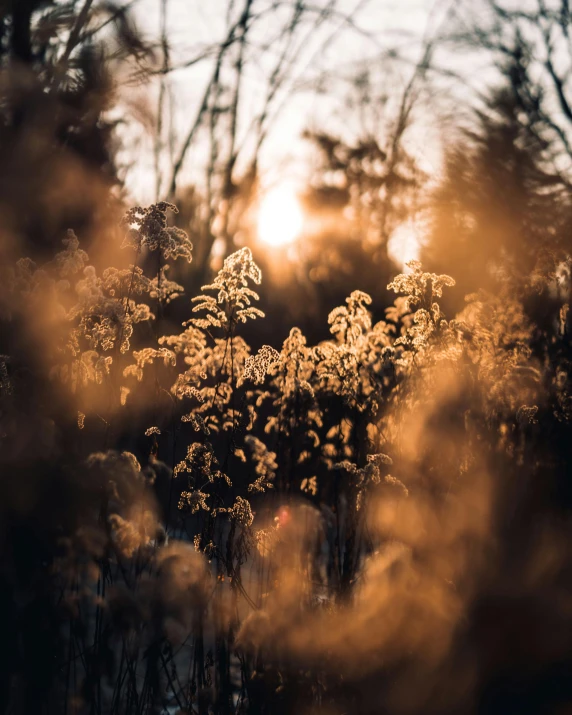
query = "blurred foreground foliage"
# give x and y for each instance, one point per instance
(190, 524)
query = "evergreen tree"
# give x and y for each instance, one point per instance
(502, 209)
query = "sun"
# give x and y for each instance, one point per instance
(280, 216)
(404, 244)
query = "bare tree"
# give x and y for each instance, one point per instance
(265, 46)
(532, 45)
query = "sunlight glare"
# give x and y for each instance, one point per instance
(404, 244)
(280, 216)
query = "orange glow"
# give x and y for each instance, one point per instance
(280, 217)
(404, 244)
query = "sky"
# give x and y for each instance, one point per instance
(317, 94)
(327, 51)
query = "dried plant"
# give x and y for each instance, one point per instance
(252, 531)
